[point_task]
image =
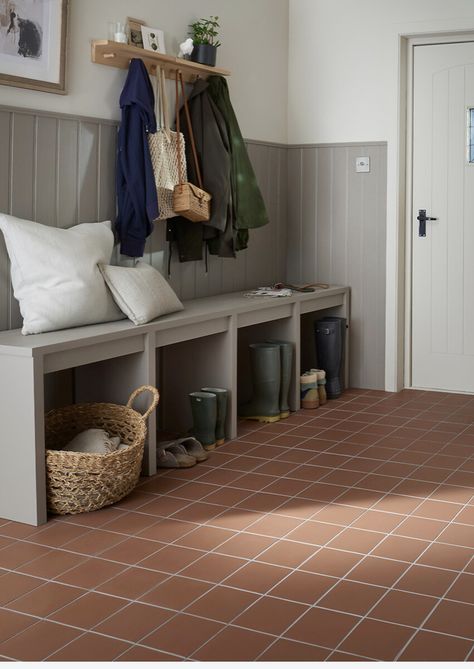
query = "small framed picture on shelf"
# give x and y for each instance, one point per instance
(153, 39)
(135, 28)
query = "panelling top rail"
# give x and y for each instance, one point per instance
(119, 55)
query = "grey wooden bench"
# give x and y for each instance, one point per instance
(177, 353)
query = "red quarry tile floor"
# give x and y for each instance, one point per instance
(345, 533)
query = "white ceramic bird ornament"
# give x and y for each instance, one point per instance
(186, 48)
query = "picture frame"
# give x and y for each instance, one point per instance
(153, 39)
(33, 36)
(135, 30)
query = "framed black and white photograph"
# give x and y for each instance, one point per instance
(153, 39)
(33, 44)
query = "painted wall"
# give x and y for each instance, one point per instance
(344, 86)
(254, 47)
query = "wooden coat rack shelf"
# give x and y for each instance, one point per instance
(119, 55)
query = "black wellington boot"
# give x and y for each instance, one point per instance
(330, 338)
(343, 325)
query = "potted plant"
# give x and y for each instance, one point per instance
(204, 33)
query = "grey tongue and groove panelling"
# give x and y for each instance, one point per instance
(60, 170)
(337, 234)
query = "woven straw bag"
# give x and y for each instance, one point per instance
(167, 154)
(190, 201)
(78, 482)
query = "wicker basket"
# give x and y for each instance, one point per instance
(78, 482)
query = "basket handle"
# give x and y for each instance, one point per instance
(140, 391)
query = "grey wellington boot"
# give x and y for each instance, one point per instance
(265, 364)
(204, 410)
(221, 395)
(286, 356)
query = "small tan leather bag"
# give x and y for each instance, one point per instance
(189, 201)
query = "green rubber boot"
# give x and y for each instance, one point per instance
(221, 395)
(265, 364)
(204, 410)
(286, 356)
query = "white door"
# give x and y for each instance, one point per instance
(443, 186)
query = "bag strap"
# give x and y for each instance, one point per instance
(164, 103)
(179, 75)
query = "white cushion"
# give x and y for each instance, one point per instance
(55, 274)
(141, 292)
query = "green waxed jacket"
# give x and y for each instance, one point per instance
(227, 174)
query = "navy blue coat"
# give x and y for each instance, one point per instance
(137, 201)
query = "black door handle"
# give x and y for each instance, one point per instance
(422, 218)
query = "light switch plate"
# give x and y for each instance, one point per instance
(363, 164)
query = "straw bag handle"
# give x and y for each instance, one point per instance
(161, 102)
(140, 391)
(179, 75)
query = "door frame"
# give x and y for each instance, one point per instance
(407, 46)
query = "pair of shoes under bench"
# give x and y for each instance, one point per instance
(184, 452)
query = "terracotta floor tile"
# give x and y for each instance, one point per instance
(44, 600)
(130, 523)
(338, 514)
(163, 506)
(134, 622)
(90, 647)
(274, 525)
(397, 504)
(377, 640)
(344, 477)
(400, 548)
(322, 627)
(286, 486)
(253, 482)
(176, 593)
(432, 647)
(194, 490)
(378, 571)
(57, 534)
(94, 542)
(12, 623)
(360, 498)
(88, 611)
(324, 492)
(14, 585)
(303, 587)
(132, 583)
(91, 572)
(459, 535)
(313, 532)
(287, 553)
(331, 562)
(270, 615)
(141, 654)
(438, 510)
(199, 512)
(297, 507)
(38, 641)
(378, 521)
(463, 589)
(205, 538)
(404, 608)
(452, 618)
(257, 577)
(236, 519)
(420, 489)
(426, 580)
(245, 545)
(284, 650)
(339, 656)
(19, 553)
(262, 502)
(357, 541)
(222, 603)
(167, 530)
(420, 528)
(466, 516)
(131, 551)
(351, 597)
(377, 482)
(446, 557)
(52, 564)
(234, 645)
(213, 567)
(227, 496)
(182, 635)
(171, 559)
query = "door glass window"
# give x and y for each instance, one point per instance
(470, 135)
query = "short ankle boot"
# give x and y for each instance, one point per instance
(221, 396)
(309, 390)
(204, 410)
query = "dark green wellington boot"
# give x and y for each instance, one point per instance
(286, 356)
(204, 410)
(221, 395)
(266, 371)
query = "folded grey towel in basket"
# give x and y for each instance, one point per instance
(93, 441)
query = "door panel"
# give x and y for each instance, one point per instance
(443, 184)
